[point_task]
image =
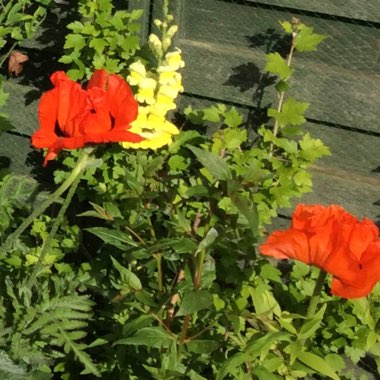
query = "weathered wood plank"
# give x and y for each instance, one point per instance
(22, 107)
(221, 41)
(15, 153)
(367, 10)
(353, 153)
(361, 199)
(350, 176)
(345, 97)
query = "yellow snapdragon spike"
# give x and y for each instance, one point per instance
(146, 91)
(137, 73)
(156, 130)
(174, 60)
(170, 78)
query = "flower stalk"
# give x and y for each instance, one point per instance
(316, 296)
(74, 175)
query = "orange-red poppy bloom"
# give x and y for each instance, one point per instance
(335, 241)
(71, 117)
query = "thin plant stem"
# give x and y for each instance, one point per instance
(6, 55)
(53, 231)
(76, 172)
(158, 257)
(199, 270)
(282, 93)
(316, 296)
(185, 328)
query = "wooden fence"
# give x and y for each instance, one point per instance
(224, 43)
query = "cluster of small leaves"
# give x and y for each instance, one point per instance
(36, 332)
(164, 282)
(103, 38)
(16, 194)
(19, 21)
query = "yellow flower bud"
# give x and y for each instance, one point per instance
(172, 31)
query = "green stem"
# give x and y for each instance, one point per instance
(316, 296)
(282, 93)
(158, 257)
(6, 55)
(53, 231)
(199, 270)
(77, 171)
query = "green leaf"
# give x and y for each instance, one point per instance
(264, 301)
(318, 364)
(215, 164)
(292, 113)
(74, 41)
(137, 324)
(177, 162)
(98, 44)
(255, 348)
(307, 40)
(287, 26)
(115, 238)
(194, 301)
(249, 210)
(155, 337)
(312, 149)
(232, 118)
(211, 114)
(277, 65)
(210, 237)
(263, 374)
(336, 362)
(129, 279)
(202, 346)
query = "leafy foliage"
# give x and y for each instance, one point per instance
(152, 273)
(103, 38)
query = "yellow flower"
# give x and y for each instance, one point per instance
(146, 91)
(137, 73)
(156, 130)
(174, 60)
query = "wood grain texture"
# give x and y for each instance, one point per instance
(367, 10)
(224, 45)
(350, 176)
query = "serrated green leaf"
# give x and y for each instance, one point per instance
(98, 44)
(211, 114)
(287, 26)
(307, 40)
(292, 113)
(232, 118)
(277, 65)
(74, 41)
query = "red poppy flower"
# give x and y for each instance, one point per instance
(335, 241)
(71, 117)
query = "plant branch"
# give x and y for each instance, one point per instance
(53, 231)
(316, 296)
(282, 93)
(76, 172)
